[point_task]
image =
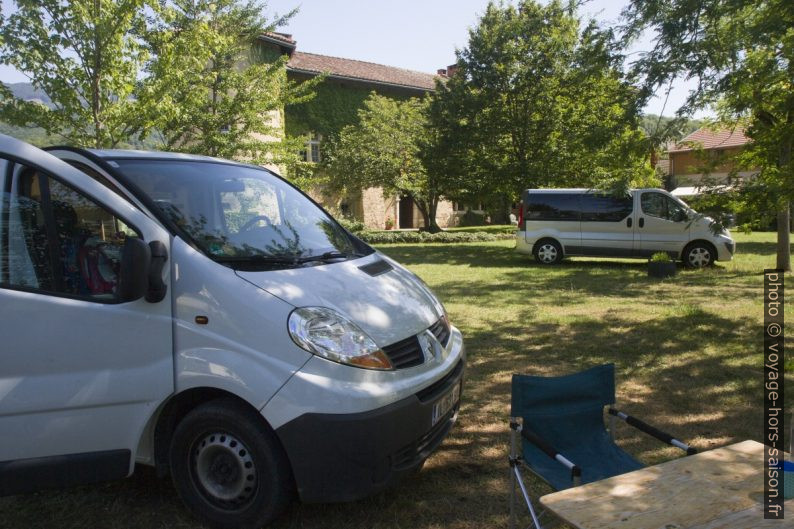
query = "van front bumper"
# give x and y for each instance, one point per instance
(345, 457)
(726, 247)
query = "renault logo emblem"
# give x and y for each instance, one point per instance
(426, 344)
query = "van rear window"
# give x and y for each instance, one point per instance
(605, 208)
(552, 206)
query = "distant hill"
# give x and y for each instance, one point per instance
(652, 123)
(34, 135)
(27, 92)
(38, 136)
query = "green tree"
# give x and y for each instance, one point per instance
(384, 149)
(213, 88)
(537, 100)
(742, 55)
(661, 130)
(85, 56)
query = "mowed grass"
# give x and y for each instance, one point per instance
(688, 352)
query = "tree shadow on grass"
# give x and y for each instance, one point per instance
(693, 372)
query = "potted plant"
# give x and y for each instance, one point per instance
(389, 223)
(660, 265)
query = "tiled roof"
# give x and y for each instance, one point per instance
(283, 37)
(705, 138)
(360, 70)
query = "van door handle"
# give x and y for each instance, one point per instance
(628, 222)
(642, 222)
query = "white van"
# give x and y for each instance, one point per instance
(554, 223)
(207, 318)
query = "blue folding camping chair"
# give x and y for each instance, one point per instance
(559, 424)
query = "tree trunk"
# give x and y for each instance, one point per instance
(654, 158)
(428, 211)
(95, 76)
(783, 244)
(433, 227)
(783, 216)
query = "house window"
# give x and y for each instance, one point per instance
(471, 205)
(312, 151)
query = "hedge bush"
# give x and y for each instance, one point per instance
(386, 237)
(351, 225)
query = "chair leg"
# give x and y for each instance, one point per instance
(513, 460)
(515, 477)
(526, 498)
(512, 499)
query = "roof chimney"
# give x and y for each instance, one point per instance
(451, 69)
(442, 72)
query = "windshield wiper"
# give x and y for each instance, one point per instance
(327, 256)
(254, 259)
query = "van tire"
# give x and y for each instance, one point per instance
(699, 254)
(228, 466)
(548, 252)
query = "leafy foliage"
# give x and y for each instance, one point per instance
(384, 150)
(537, 101)
(386, 237)
(742, 55)
(212, 88)
(660, 130)
(84, 54)
(660, 257)
(331, 109)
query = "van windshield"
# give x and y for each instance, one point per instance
(238, 214)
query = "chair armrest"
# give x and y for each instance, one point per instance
(652, 431)
(546, 448)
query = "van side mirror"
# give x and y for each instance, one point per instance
(141, 270)
(157, 287)
(134, 270)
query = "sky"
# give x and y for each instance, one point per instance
(418, 35)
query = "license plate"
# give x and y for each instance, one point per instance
(445, 403)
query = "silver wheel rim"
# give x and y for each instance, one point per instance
(547, 253)
(699, 257)
(225, 470)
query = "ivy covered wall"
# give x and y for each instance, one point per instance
(335, 105)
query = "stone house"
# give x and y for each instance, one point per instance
(347, 84)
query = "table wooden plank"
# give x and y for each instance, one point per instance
(693, 492)
(752, 518)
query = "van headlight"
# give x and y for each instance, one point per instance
(324, 332)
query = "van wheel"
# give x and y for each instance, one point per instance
(699, 255)
(548, 252)
(228, 466)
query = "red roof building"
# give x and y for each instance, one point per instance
(706, 158)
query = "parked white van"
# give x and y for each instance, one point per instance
(209, 319)
(554, 223)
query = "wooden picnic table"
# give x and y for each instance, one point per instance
(718, 489)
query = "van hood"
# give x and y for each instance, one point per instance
(389, 306)
(702, 225)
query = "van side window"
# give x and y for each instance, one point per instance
(56, 240)
(661, 206)
(605, 208)
(552, 206)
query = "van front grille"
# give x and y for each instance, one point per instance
(440, 330)
(408, 352)
(405, 353)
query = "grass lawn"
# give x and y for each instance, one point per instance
(688, 352)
